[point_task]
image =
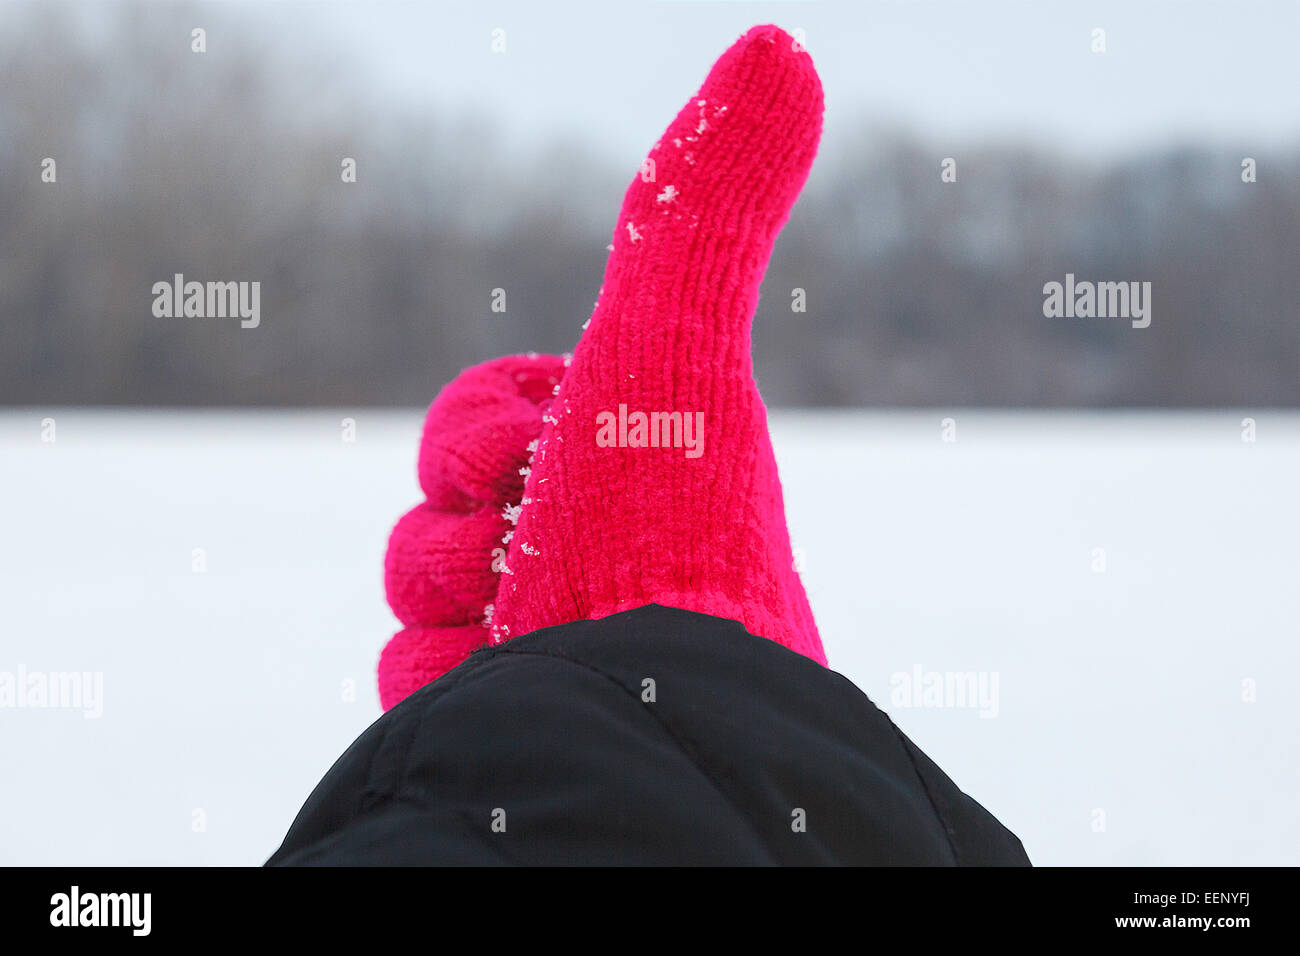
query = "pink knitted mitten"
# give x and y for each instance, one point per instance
(439, 571)
(654, 481)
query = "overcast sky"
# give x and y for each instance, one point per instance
(615, 72)
(612, 73)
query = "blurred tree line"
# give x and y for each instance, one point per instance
(917, 292)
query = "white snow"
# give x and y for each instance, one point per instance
(226, 693)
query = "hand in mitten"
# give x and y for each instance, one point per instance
(650, 472)
(445, 555)
(654, 480)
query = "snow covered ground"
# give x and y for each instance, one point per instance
(1139, 701)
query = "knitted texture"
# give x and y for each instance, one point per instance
(681, 507)
(438, 571)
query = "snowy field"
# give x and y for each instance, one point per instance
(1139, 701)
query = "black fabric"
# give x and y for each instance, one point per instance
(551, 728)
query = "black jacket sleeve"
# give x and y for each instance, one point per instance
(657, 736)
